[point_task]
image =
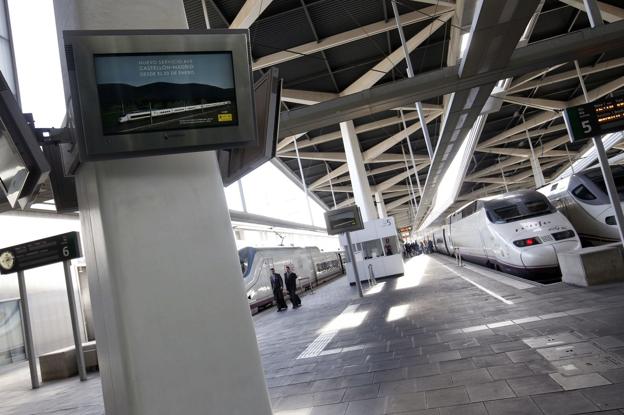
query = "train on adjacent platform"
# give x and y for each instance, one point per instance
(312, 267)
(518, 232)
(583, 199)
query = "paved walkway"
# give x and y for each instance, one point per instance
(435, 343)
(440, 340)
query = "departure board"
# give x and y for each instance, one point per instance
(343, 220)
(39, 253)
(595, 119)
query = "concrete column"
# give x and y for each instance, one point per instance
(172, 324)
(359, 180)
(381, 206)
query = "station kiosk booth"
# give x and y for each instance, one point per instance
(376, 249)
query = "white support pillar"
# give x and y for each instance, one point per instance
(173, 328)
(359, 179)
(381, 205)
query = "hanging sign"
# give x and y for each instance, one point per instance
(41, 252)
(595, 119)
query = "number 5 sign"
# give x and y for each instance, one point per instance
(594, 119)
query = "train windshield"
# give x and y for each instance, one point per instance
(595, 175)
(245, 257)
(518, 207)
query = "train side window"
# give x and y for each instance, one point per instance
(583, 193)
(469, 210)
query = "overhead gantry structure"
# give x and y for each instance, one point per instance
(508, 86)
(493, 74)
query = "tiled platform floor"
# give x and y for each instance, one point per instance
(434, 343)
(430, 343)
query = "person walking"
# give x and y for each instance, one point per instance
(277, 285)
(291, 287)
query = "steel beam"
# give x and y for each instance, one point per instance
(249, 13)
(349, 36)
(609, 13)
(577, 45)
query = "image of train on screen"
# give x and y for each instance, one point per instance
(519, 233)
(312, 267)
(140, 115)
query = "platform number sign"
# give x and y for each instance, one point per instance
(595, 119)
(39, 253)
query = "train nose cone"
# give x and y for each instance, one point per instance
(539, 256)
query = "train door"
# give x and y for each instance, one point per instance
(448, 252)
(341, 262)
(265, 273)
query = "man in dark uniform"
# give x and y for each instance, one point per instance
(291, 287)
(277, 285)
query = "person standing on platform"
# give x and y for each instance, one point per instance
(277, 285)
(291, 287)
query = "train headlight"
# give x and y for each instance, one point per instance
(610, 220)
(527, 242)
(563, 235)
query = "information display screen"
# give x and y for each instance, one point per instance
(238, 162)
(595, 119)
(13, 170)
(343, 220)
(165, 91)
(139, 93)
(23, 168)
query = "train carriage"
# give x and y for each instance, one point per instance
(312, 267)
(583, 199)
(520, 233)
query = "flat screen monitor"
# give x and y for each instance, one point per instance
(343, 220)
(236, 163)
(23, 167)
(138, 93)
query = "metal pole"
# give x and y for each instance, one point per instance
(607, 175)
(242, 195)
(28, 338)
(411, 186)
(504, 180)
(569, 158)
(611, 189)
(593, 12)
(74, 320)
(410, 74)
(409, 148)
(355, 270)
(331, 186)
(538, 175)
(305, 187)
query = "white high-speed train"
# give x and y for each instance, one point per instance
(583, 199)
(139, 115)
(312, 267)
(518, 232)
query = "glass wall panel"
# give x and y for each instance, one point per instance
(11, 335)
